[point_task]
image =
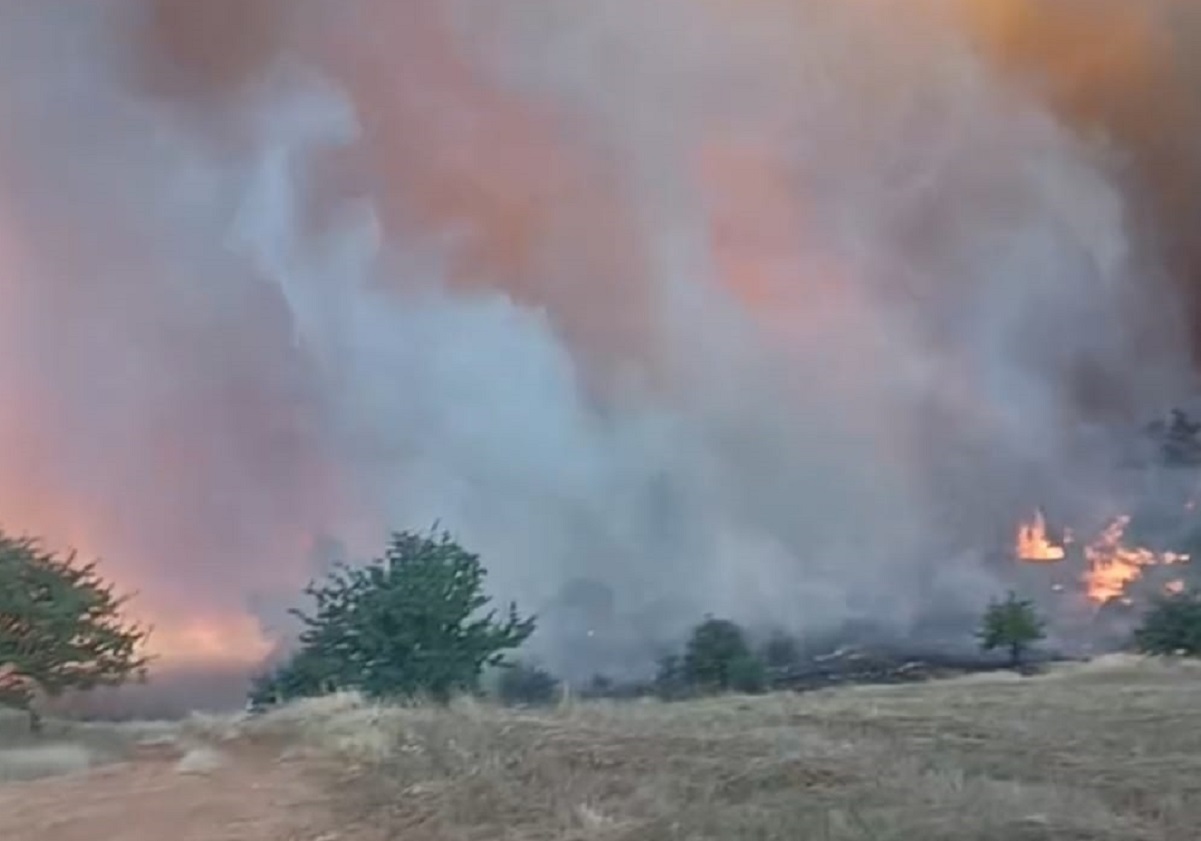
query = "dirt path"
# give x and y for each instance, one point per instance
(248, 798)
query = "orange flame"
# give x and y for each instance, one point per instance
(1033, 545)
(1113, 566)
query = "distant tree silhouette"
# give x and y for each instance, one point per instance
(1177, 439)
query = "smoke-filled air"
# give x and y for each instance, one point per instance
(783, 311)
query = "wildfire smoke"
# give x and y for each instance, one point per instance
(758, 308)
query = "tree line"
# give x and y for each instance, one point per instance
(416, 622)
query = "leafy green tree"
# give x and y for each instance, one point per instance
(1172, 626)
(410, 623)
(717, 656)
(61, 628)
(1012, 624)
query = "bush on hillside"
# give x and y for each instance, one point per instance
(1172, 626)
(670, 683)
(303, 675)
(1013, 625)
(748, 675)
(718, 659)
(599, 686)
(62, 628)
(520, 684)
(414, 622)
(781, 652)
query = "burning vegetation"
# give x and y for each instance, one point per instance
(1114, 567)
(1033, 545)
(1111, 565)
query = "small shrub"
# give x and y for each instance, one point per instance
(717, 656)
(748, 675)
(520, 684)
(599, 686)
(1172, 626)
(303, 675)
(781, 652)
(670, 680)
(1013, 625)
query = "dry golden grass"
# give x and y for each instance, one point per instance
(1106, 750)
(1110, 750)
(66, 747)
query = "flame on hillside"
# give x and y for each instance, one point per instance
(1033, 545)
(1111, 565)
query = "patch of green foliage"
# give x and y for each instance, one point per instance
(522, 684)
(412, 623)
(1172, 626)
(716, 658)
(670, 683)
(1013, 625)
(62, 628)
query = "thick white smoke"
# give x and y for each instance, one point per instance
(239, 316)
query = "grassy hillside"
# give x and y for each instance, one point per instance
(1108, 750)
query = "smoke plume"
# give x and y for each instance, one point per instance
(776, 310)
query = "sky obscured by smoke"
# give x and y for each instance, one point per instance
(782, 311)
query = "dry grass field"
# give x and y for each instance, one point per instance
(67, 747)
(1107, 750)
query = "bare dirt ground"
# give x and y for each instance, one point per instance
(1109, 751)
(247, 794)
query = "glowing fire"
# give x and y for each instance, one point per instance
(1113, 566)
(1033, 545)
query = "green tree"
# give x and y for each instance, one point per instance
(410, 623)
(717, 658)
(1012, 624)
(61, 628)
(1172, 626)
